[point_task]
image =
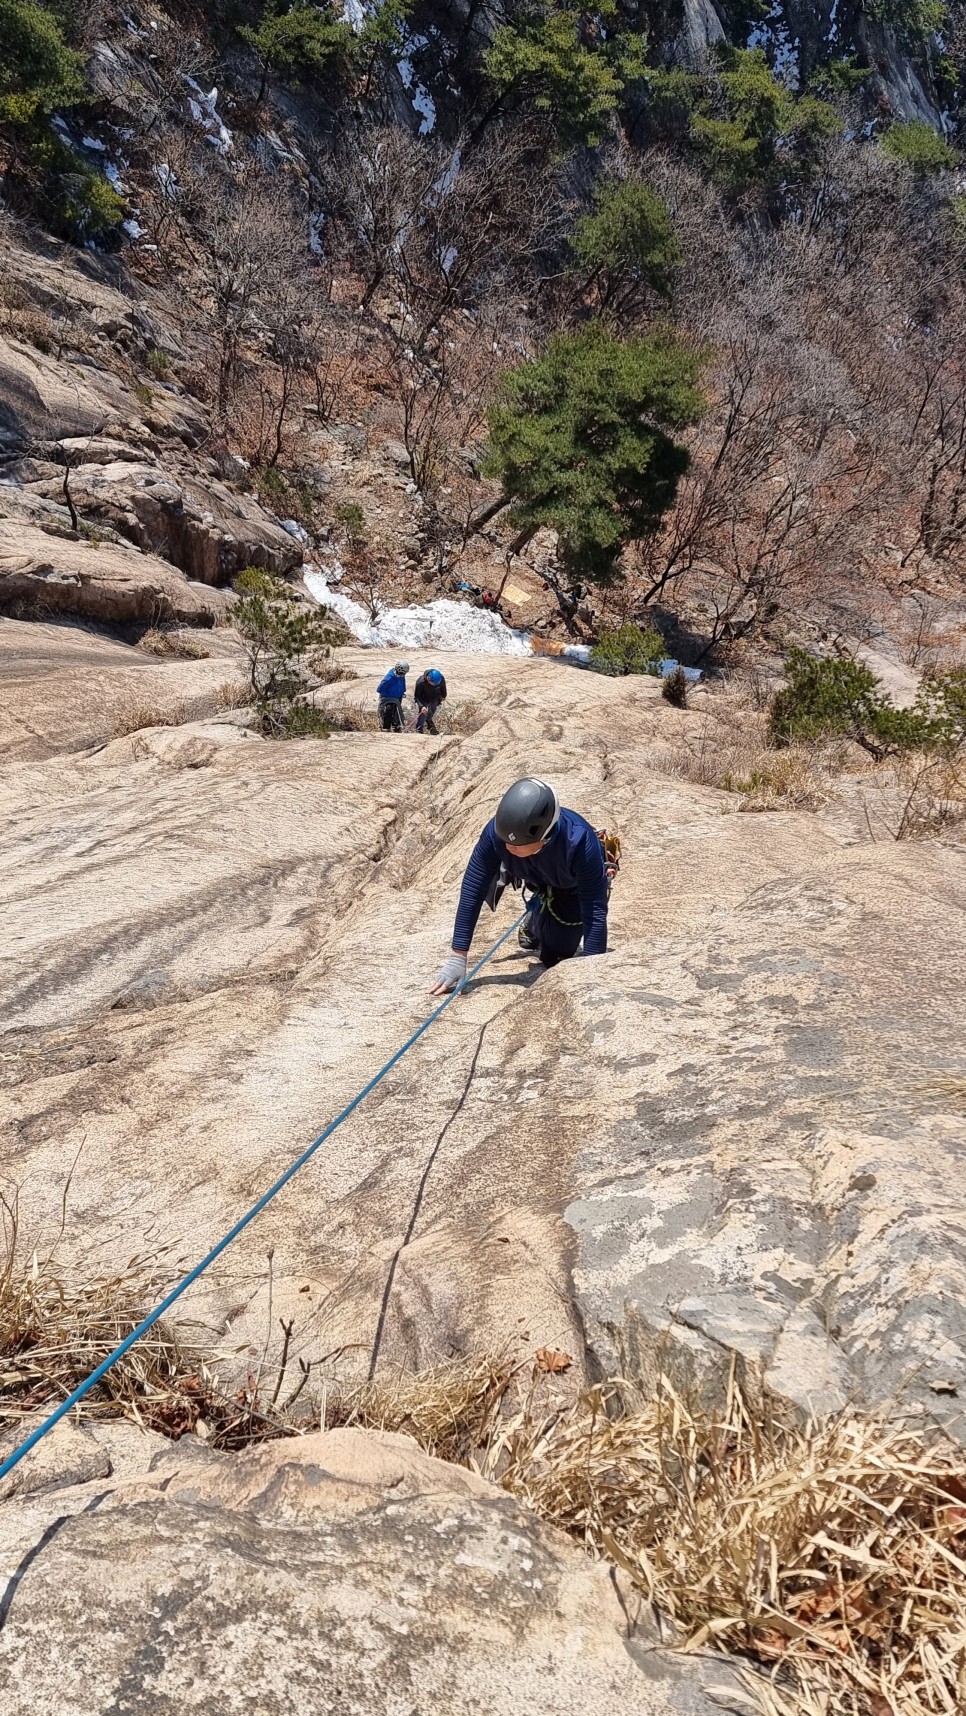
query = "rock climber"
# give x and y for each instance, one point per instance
(429, 692)
(390, 691)
(532, 840)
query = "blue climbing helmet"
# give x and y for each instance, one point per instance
(434, 676)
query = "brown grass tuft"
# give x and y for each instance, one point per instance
(133, 717)
(830, 1559)
(173, 644)
(451, 1410)
(834, 1555)
(233, 694)
(54, 1332)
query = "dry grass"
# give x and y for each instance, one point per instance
(728, 749)
(830, 1558)
(134, 717)
(54, 1332)
(933, 789)
(451, 1410)
(233, 694)
(792, 779)
(173, 644)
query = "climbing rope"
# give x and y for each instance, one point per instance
(149, 1321)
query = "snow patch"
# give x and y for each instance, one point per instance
(442, 625)
(774, 37)
(316, 224)
(204, 111)
(113, 177)
(292, 526)
(447, 178)
(420, 97)
(354, 14)
(426, 108)
(168, 180)
(133, 228)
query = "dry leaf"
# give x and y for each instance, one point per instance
(550, 1361)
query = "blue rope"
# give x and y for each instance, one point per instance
(256, 1209)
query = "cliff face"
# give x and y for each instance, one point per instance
(735, 1133)
(801, 36)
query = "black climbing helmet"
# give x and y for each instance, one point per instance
(529, 810)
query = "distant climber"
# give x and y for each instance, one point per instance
(429, 693)
(534, 842)
(390, 691)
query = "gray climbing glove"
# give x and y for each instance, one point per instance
(451, 976)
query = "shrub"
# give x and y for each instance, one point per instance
(158, 363)
(38, 71)
(912, 20)
(629, 649)
(675, 688)
(579, 439)
(89, 206)
(748, 127)
(842, 698)
(271, 484)
(143, 394)
(628, 241)
(286, 645)
(955, 218)
(297, 40)
(919, 146)
(571, 65)
(353, 520)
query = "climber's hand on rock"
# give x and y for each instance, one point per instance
(451, 976)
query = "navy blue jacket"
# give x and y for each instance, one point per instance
(572, 860)
(426, 694)
(393, 687)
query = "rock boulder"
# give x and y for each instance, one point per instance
(344, 1574)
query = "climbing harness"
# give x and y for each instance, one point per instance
(611, 846)
(153, 1317)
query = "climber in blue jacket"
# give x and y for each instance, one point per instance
(390, 691)
(533, 840)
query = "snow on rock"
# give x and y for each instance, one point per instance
(426, 108)
(420, 97)
(292, 526)
(354, 14)
(204, 111)
(774, 37)
(168, 180)
(443, 624)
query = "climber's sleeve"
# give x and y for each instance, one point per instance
(480, 871)
(592, 892)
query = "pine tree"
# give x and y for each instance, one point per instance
(569, 64)
(627, 244)
(580, 441)
(298, 39)
(38, 71)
